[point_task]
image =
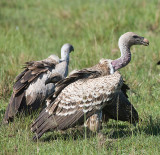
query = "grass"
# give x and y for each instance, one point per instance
(32, 30)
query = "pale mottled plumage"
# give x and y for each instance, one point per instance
(83, 94)
(30, 89)
(86, 95)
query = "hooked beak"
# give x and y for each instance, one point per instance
(145, 42)
(72, 50)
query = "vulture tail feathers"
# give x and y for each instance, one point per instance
(13, 107)
(48, 122)
(6, 115)
(39, 121)
(42, 125)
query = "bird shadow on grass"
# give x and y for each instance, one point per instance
(119, 131)
(149, 127)
(73, 134)
(111, 131)
(152, 126)
(80, 134)
(2, 111)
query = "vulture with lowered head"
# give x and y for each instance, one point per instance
(30, 89)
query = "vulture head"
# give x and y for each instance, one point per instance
(65, 51)
(128, 39)
(125, 42)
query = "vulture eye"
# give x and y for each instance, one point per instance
(135, 36)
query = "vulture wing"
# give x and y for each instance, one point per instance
(96, 71)
(32, 71)
(120, 109)
(77, 101)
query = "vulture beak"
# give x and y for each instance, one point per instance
(72, 49)
(145, 42)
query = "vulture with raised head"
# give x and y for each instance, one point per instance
(31, 89)
(86, 93)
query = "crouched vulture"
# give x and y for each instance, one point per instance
(31, 89)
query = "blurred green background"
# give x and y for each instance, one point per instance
(34, 29)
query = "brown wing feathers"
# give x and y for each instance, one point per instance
(87, 73)
(73, 102)
(13, 106)
(48, 122)
(120, 109)
(82, 74)
(125, 88)
(31, 71)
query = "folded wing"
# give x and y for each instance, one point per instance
(77, 102)
(33, 72)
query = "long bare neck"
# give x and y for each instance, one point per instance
(66, 65)
(65, 56)
(125, 57)
(62, 68)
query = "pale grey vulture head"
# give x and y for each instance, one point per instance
(65, 51)
(130, 38)
(63, 66)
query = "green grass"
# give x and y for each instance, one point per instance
(34, 29)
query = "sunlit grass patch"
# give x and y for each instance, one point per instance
(32, 30)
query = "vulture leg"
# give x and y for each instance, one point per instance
(94, 123)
